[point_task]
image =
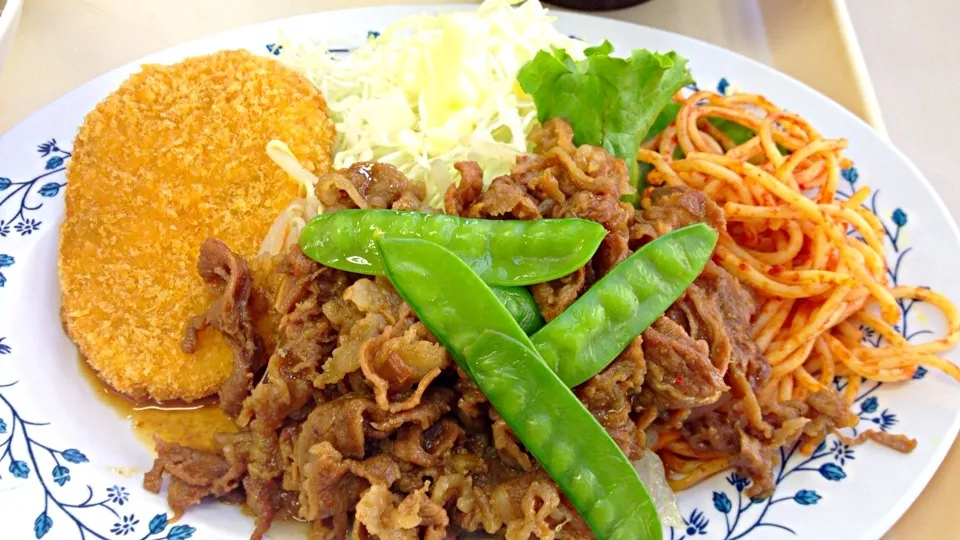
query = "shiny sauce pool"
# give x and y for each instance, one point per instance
(190, 424)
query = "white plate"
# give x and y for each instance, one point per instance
(71, 468)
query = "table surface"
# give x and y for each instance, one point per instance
(64, 43)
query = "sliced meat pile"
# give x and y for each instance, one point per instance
(361, 424)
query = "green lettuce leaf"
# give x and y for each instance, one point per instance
(666, 117)
(610, 102)
(739, 134)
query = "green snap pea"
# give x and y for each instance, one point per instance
(590, 333)
(441, 288)
(502, 252)
(522, 307)
(574, 449)
(564, 436)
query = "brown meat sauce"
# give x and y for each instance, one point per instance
(194, 424)
(362, 425)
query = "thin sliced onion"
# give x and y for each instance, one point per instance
(281, 154)
(285, 230)
(652, 473)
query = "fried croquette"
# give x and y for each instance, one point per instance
(176, 155)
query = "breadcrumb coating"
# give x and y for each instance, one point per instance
(175, 155)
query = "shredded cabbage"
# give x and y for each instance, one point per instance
(432, 90)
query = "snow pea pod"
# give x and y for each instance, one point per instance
(590, 333)
(522, 307)
(465, 315)
(565, 438)
(502, 252)
(443, 289)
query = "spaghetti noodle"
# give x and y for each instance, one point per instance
(813, 256)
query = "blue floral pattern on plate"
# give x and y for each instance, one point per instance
(749, 515)
(51, 469)
(828, 463)
(24, 457)
(107, 512)
(25, 198)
